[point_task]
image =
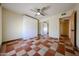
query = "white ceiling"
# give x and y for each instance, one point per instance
(24, 8)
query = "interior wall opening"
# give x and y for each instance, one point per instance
(64, 27)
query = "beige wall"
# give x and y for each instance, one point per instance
(12, 25)
(66, 28)
(0, 25)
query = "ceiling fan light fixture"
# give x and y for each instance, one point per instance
(38, 13)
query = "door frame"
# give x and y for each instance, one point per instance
(59, 23)
(45, 22)
(75, 27)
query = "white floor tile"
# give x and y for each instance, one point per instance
(42, 51)
(11, 53)
(31, 52)
(58, 54)
(20, 53)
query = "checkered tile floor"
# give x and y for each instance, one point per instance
(41, 47)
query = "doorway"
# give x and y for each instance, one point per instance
(67, 27)
(64, 27)
(44, 29)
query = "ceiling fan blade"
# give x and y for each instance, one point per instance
(42, 14)
(45, 8)
(45, 13)
(33, 10)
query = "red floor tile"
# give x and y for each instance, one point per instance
(36, 54)
(61, 49)
(50, 53)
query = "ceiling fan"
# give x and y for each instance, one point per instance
(40, 11)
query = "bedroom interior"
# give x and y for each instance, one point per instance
(39, 29)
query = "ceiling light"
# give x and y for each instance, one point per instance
(38, 13)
